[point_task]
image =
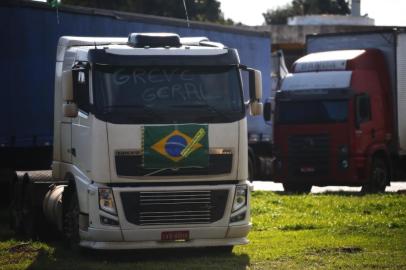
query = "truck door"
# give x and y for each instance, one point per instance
(81, 124)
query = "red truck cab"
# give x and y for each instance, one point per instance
(332, 122)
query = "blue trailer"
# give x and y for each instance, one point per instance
(30, 31)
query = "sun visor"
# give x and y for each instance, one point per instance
(317, 80)
(107, 57)
(326, 61)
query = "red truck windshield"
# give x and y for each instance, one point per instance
(312, 111)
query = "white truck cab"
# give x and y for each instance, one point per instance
(150, 141)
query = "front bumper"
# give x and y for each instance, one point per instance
(354, 175)
(199, 237)
(130, 235)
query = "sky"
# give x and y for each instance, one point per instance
(249, 12)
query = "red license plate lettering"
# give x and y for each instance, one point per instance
(175, 236)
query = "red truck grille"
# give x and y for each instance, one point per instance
(308, 155)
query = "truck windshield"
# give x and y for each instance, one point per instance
(314, 111)
(168, 94)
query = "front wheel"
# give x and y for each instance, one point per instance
(297, 188)
(71, 217)
(378, 177)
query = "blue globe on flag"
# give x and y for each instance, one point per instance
(174, 145)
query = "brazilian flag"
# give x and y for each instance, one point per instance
(175, 146)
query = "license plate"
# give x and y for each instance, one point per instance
(307, 169)
(175, 236)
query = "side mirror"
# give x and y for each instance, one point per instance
(256, 108)
(67, 85)
(255, 90)
(268, 111)
(255, 84)
(70, 110)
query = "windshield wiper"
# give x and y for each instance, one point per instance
(172, 169)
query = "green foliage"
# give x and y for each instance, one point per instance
(324, 231)
(200, 10)
(306, 7)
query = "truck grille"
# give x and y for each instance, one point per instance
(308, 155)
(174, 207)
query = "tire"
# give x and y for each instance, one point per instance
(378, 177)
(12, 209)
(71, 217)
(28, 211)
(26, 217)
(15, 208)
(6, 177)
(297, 188)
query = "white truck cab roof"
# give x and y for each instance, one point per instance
(326, 61)
(128, 46)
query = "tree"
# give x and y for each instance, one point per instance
(306, 7)
(200, 10)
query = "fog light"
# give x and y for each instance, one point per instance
(238, 217)
(108, 221)
(344, 164)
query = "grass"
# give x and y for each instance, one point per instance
(327, 231)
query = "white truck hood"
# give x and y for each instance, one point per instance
(126, 152)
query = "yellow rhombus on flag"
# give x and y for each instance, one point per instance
(161, 145)
(176, 146)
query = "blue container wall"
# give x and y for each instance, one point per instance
(28, 47)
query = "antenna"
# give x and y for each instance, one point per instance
(187, 15)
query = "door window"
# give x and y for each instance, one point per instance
(80, 74)
(363, 109)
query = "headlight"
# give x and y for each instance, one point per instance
(343, 157)
(240, 197)
(106, 201)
